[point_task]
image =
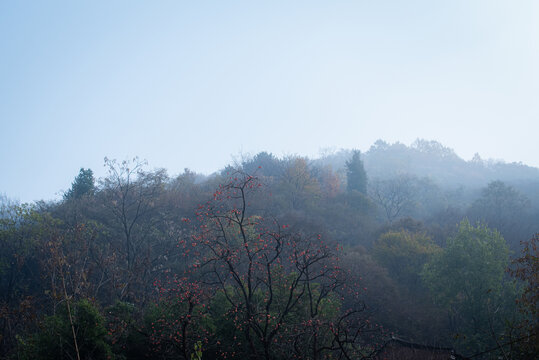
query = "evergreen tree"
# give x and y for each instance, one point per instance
(84, 184)
(356, 174)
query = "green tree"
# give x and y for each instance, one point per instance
(356, 174)
(467, 279)
(404, 254)
(84, 184)
(55, 340)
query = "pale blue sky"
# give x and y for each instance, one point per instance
(194, 83)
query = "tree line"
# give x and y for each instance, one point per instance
(272, 258)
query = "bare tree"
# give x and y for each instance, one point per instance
(131, 196)
(394, 196)
(284, 290)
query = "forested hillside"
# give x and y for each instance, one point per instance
(277, 258)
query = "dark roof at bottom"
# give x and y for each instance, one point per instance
(397, 348)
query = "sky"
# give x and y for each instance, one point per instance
(198, 84)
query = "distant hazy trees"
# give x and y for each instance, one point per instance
(504, 208)
(499, 205)
(263, 163)
(298, 186)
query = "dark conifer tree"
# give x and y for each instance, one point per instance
(355, 174)
(84, 184)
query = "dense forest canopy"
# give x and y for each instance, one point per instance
(277, 258)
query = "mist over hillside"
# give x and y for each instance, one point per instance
(433, 160)
(363, 246)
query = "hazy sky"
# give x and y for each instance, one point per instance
(194, 83)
